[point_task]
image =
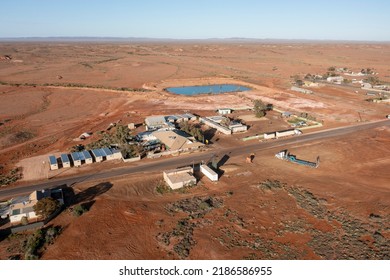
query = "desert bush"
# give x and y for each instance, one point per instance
(32, 244)
(51, 234)
(10, 177)
(162, 188)
(79, 210)
(23, 136)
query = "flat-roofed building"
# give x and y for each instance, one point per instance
(25, 208)
(238, 127)
(214, 122)
(53, 163)
(65, 160)
(76, 159)
(97, 155)
(87, 157)
(209, 173)
(224, 111)
(178, 178)
(155, 122)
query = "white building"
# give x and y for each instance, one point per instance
(178, 178)
(224, 111)
(213, 122)
(238, 127)
(65, 161)
(288, 132)
(76, 159)
(87, 157)
(26, 208)
(366, 85)
(116, 154)
(53, 163)
(155, 122)
(98, 155)
(270, 135)
(302, 90)
(335, 80)
(209, 173)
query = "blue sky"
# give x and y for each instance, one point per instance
(198, 19)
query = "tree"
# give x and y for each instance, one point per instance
(122, 134)
(46, 206)
(259, 108)
(129, 151)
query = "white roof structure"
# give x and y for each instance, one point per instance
(154, 121)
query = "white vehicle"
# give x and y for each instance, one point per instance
(388, 116)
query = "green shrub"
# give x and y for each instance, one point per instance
(79, 210)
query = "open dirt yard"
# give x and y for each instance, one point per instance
(270, 209)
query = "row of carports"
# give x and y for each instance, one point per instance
(83, 157)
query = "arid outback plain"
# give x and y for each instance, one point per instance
(51, 93)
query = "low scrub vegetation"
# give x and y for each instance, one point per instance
(79, 210)
(10, 177)
(35, 243)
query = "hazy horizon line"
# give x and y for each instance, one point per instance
(139, 39)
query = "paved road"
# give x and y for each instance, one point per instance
(165, 164)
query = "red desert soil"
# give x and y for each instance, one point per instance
(338, 211)
(333, 212)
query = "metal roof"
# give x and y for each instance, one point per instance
(115, 151)
(107, 151)
(155, 121)
(52, 160)
(75, 156)
(64, 158)
(81, 156)
(97, 152)
(87, 155)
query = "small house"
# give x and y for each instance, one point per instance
(224, 111)
(238, 127)
(108, 154)
(116, 154)
(53, 163)
(76, 159)
(155, 122)
(179, 178)
(87, 157)
(65, 160)
(25, 208)
(97, 155)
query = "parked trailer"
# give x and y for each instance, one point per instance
(285, 155)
